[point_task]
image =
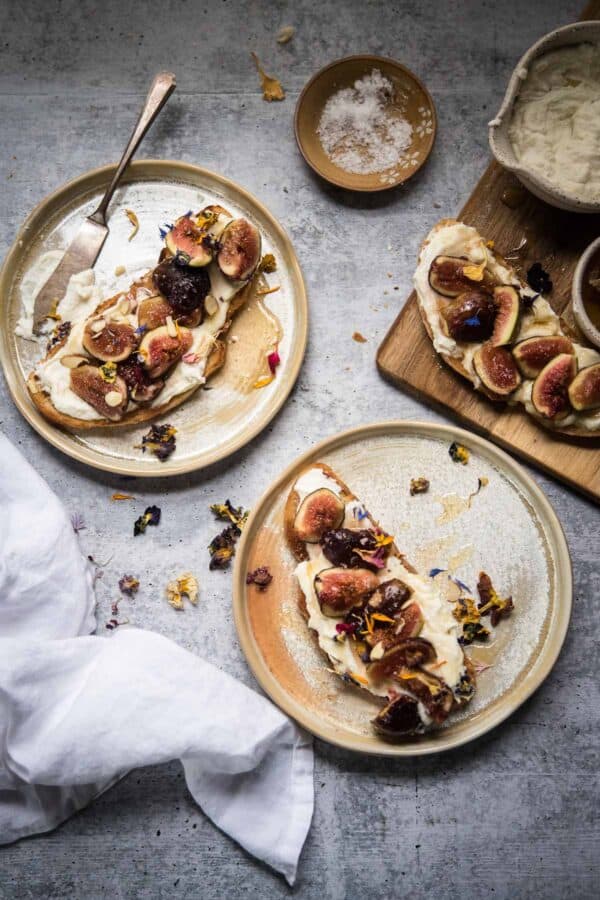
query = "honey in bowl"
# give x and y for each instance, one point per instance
(590, 290)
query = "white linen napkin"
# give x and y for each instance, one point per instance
(78, 711)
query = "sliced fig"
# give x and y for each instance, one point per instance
(434, 694)
(184, 287)
(240, 249)
(536, 352)
(141, 388)
(398, 718)
(508, 306)
(186, 240)
(550, 393)
(497, 369)
(410, 621)
(163, 347)
(389, 598)
(107, 398)
(340, 590)
(342, 546)
(584, 390)
(470, 317)
(153, 312)
(452, 275)
(109, 341)
(320, 511)
(410, 653)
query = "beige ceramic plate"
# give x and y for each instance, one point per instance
(509, 530)
(411, 98)
(212, 423)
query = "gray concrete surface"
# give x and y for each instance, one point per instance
(514, 815)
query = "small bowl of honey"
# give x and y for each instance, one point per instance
(586, 293)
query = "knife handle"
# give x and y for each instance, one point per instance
(160, 91)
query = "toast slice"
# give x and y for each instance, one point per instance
(383, 627)
(162, 338)
(443, 316)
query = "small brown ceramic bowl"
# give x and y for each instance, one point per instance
(411, 98)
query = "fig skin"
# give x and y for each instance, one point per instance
(550, 392)
(470, 317)
(447, 277)
(340, 590)
(389, 598)
(240, 250)
(154, 312)
(434, 694)
(115, 342)
(87, 382)
(187, 239)
(584, 390)
(319, 512)
(508, 307)
(340, 544)
(183, 287)
(410, 653)
(160, 351)
(398, 718)
(497, 370)
(141, 389)
(534, 353)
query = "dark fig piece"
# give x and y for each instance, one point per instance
(107, 398)
(497, 369)
(584, 390)
(410, 653)
(508, 307)
(186, 240)
(340, 546)
(320, 511)
(434, 694)
(163, 347)
(240, 249)
(470, 317)
(398, 718)
(339, 590)
(109, 341)
(410, 621)
(406, 624)
(536, 352)
(184, 287)
(452, 275)
(141, 388)
(389, 597)
(550, 393)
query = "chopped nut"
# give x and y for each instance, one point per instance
(285, 34)
(211, 304)
(418, 486)
(98, 326)
(120, 270)
(113, 398)
(171, 327)
(72, 360)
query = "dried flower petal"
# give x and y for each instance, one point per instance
(184, 586)
(264, 381)
(108, 372)
(114, 623)
(271, 87)
(150, 517)
(491, 602)
(267, 264)
(78, 522)
(538, 279)
(52, 313)
(359, 338)
(261, 577)
(118, 496)
(271, 290)
(129, 585)
(418, 486)
(274, 360)
(230, 513)
(134, 221)
(160, 440)
(285, 34)
(458, 453)
(61, 332)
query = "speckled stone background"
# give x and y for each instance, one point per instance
(514, 815)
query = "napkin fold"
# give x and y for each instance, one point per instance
(78, 711)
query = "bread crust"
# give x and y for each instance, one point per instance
(458, 367)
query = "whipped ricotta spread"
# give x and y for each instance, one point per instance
(458, 239)
(555, 123)
(440, 628)
(83, 296)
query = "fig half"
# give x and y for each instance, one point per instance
(508, 306)
(434, 694)
(340, 590)
(153, 312)
(536, 352)
(319, 512)
(240, 249)
(186, 240)
(497, 369)
(550, 393)
(584, 390)
(452, 275)
(410, 653)
(470, 317)
(163, 347)
(389, 598)
(141, 388)
(398, 717)
(109, 341)
(107, 398)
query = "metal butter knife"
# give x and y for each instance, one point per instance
(83, 250)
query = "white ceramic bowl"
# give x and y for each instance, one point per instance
(581, 316)
(502, 149)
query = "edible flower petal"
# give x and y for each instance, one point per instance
(118, 496)
(229, 513)
(271, 87)
(108, 371)
(185, 586)
(134, 221)
(261, 577)
(418, 486)
(129, 585)
(274, 360)
(491, 602)
(160, 440)
(150, 517)
(264, 381)
(458, 453)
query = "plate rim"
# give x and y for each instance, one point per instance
(443, 741)
(339, 182)
(58, 438)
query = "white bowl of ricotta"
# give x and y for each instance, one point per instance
(547, 130)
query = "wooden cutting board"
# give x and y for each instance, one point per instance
(556, 239)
